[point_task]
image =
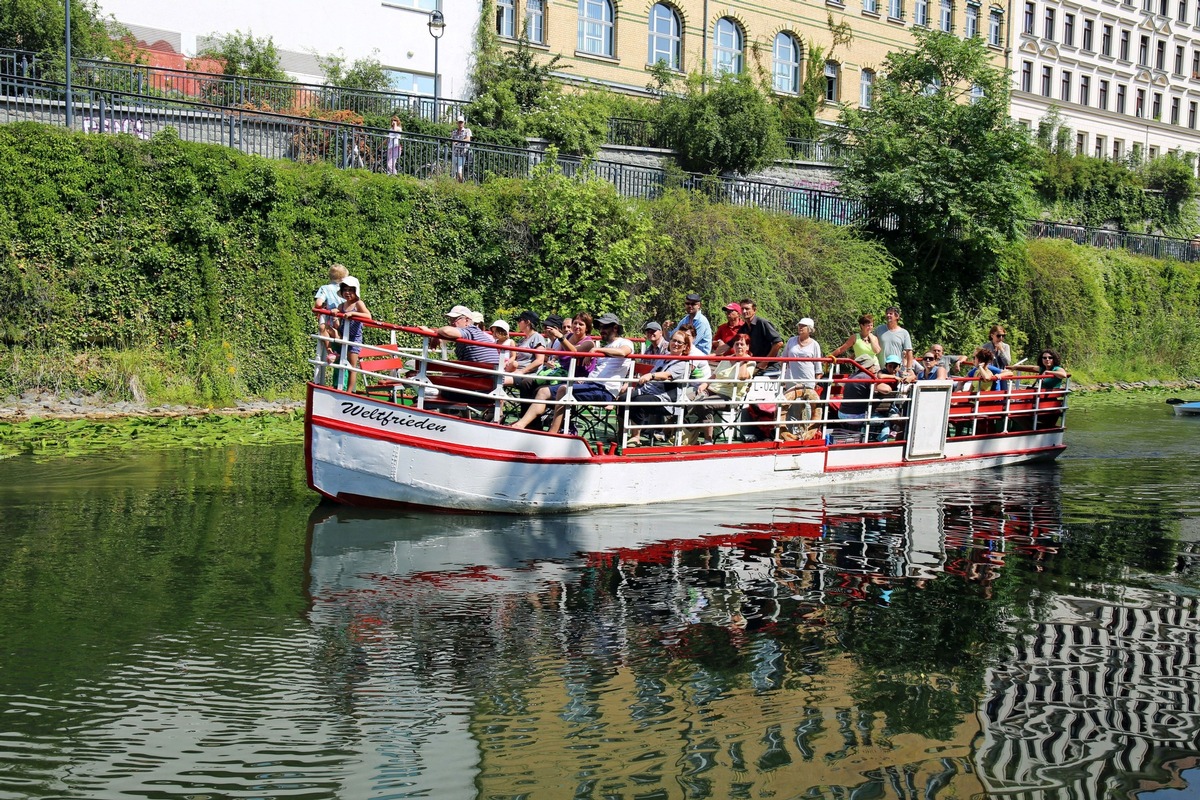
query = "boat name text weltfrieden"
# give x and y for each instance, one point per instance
(385, 418)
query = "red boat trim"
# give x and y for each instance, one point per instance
(646, 455)
(1055, 449)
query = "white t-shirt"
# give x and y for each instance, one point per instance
(609, 367)
(701, 370)
(802, 372)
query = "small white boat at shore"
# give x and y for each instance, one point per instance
(1190, 408)
(430, 431)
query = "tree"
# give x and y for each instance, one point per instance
(798, 113)
(945, 172)
(244, 54)
(508, 85)
(364, 73)
(40, 26)
(732, 127)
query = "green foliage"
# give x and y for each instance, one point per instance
(506, 85)
(1173, 177)
(947, 176)
(731, 127)
(1134, 195)
(576, 124)
(1112, 315)
(364, 73)
(184, 273)
(40, 26)
(573, 244)
(245, 54)
(791, 267)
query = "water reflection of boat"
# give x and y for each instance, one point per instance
(888, 533)
(551, 638)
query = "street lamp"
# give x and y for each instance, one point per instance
(70, 105)
(437, 26)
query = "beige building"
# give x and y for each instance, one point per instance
(614, 44)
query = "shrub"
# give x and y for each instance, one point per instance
(576, 124)
(731, 127)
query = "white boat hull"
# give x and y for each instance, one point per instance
(1187, 409)
(366, 452)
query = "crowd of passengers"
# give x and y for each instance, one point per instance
(595, 352)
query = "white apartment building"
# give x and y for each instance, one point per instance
(1124, 74)
(394, 31)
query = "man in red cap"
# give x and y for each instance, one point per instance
(727, 331)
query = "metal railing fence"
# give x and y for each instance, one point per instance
(631, 132)
(309, 140)
(1166, 247)
(293, 97)
(815, 150)
(233, 90)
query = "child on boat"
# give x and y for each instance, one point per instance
(354, 308)
(327, 297)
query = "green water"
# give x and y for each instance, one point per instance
(190, 623)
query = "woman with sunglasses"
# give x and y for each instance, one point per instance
(1051, 374)
(929, 368)
(1001, 352)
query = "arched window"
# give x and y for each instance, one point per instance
(787, 63)
(666, 40)
(506, 18)
(535, 21)
(727, 47)
(596, 27)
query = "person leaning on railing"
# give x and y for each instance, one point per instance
(985, 375)
(800, 379)
(463, 331)
(605, 385)
(355, 310)
(1051, 374)
(1052, 378)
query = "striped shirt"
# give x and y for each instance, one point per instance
(465, 351)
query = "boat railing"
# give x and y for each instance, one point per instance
(415, 367)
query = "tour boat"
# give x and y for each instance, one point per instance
(415, 427)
